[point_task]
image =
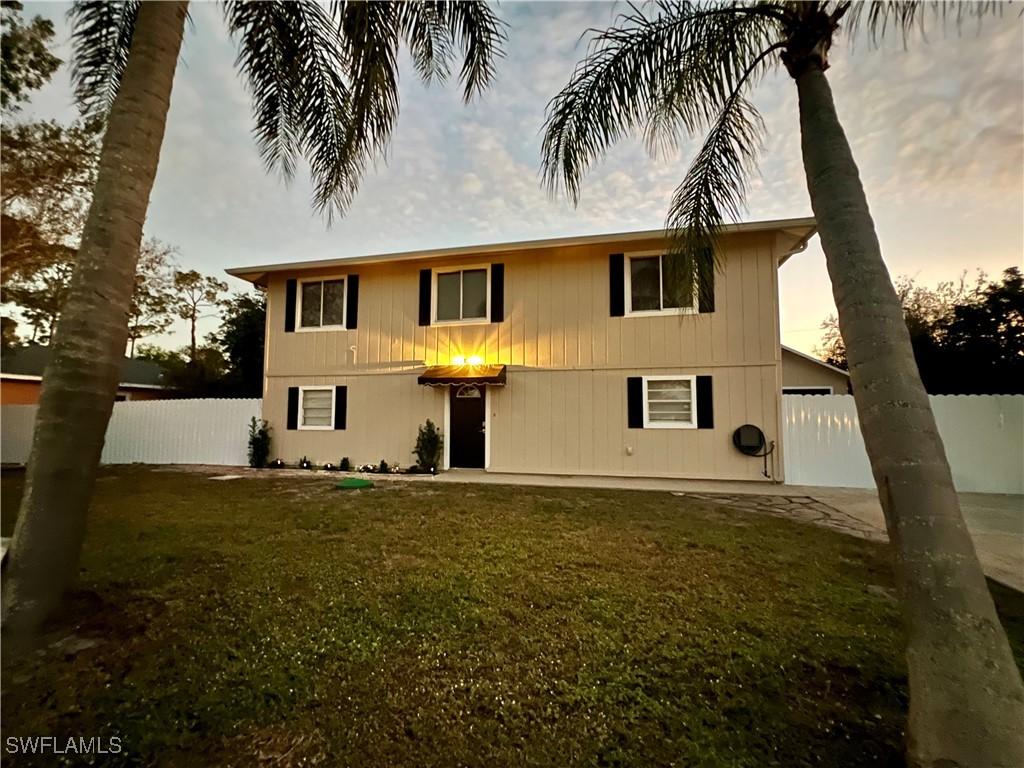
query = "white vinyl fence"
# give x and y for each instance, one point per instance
(153, 432)
(983, 435)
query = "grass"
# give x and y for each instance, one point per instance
(277, 621)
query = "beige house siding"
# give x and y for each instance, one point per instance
(556, 421)
(564, 409)
(556, 316)
(798, 371)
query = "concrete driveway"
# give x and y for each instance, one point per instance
(996, 523)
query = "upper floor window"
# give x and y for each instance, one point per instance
(322, 303)
(649, 287)
(462, 295)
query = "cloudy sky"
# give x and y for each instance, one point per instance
(936, 130)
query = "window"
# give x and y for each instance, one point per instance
(670, 402)
(316, 408)
(462, 295)
(322, 303)
(649, 287)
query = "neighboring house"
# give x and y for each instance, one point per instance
(21, 377)
(556, 356)
(803, 374)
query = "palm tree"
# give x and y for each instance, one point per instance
(675, 67)
(324, 84)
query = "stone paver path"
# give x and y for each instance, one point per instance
(804, 509)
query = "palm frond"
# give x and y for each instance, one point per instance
(435, 31)
(715, 186)
(295, 63)
(880, 18)
(101, 37)
(429, 40)
(670, 72)
(324, 80)
(370, 39)
(711, 193)
(480, 34)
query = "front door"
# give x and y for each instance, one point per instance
(468, 418)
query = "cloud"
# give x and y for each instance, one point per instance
(936, 131)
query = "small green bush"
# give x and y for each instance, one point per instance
(383, 468)
(428, 446)
(259, 442)
(345, 465)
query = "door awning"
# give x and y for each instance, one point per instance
(446, 375)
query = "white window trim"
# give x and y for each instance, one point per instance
(628, 283)
(692, 424)
(298, 305)
(486, 319)
(823, 390)
(302, 398)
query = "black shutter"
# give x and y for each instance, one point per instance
(289, 305)
(340, 407)
(352, 302)
(425, 280)
(617, 283)
(706, 286)
(635, 402)
(497, 293)
(705, 404)
(293, 407)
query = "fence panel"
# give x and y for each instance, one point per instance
(983, 435)
(154, 432)
(16, 423)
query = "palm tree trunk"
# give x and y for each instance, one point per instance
(966, 696)
(80, 381)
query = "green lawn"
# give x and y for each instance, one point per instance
(437, 625)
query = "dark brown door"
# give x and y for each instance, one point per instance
(467, 426)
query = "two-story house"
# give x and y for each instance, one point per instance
(563, 356)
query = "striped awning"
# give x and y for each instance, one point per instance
(446, 375)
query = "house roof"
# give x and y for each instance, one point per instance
(801, 230)
(813, 359)
(30, 360)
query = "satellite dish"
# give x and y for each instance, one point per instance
(749, 440)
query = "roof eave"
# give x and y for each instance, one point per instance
(817, 360)
(802, 228)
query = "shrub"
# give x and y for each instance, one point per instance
(344, 465)
(428, 446)
(259, 442)
(383, 468)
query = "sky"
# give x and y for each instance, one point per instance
(936, 130)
